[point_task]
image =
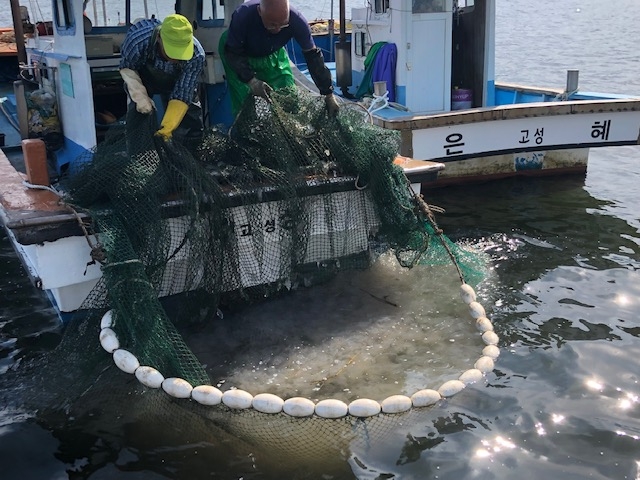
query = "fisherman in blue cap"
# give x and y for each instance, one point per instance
(165, 59)
(253, 54)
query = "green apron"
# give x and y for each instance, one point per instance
(273, 69)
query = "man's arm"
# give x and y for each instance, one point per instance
(319, 72)
(239, 62)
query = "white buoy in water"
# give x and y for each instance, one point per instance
(476, 310)
(331, 408)
(206, 395)
(109, 340)
(177, 387)
(450, 388)
(299, 407)
(396, 404)
(483, 324)
(364, 407)
(237, 399)
(107, 320)
(267, 403)
(425, 398)
(125, 361)
(491, 351)
(149, 377)
(473, 375)
(490, 338)
(485, 364)
(467, 293)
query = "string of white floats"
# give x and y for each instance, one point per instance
(300, 406)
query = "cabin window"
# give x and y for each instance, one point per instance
(212, 9)
(381, 6)
(63, 14)
(427, 6)
(462, 6)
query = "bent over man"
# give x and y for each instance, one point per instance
(253, 53)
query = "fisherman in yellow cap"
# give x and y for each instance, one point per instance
(165, 59)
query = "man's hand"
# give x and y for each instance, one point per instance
(260, 88)
(137, 91)
(176, 110)
(332, 105)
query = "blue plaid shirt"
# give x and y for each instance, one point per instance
(134, 53)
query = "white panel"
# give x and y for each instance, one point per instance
(522, 133)
(428, 65)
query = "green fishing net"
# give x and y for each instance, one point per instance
(284, 199)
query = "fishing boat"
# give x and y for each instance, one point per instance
(427, 68)
(75, 61)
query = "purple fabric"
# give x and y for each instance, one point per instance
(384, 68)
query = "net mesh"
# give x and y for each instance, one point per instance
(286, 197)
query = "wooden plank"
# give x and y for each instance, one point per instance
(17, 200)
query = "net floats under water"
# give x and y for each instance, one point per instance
(303, 407)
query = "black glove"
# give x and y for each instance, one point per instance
(332, 105)
(260, 88)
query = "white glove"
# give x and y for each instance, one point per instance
(137, 91)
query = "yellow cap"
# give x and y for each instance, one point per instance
(177, 37)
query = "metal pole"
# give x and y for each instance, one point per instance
(95, 12)
(18, 31)
(104, 12)
(331, 28)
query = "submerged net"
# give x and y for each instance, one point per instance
(286, 198)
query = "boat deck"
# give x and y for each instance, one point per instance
(7, 49)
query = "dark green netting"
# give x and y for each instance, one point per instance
(286, 197)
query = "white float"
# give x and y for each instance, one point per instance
(207, 395)
(473, 375)
(237, 399)
(149, 376)
(364, 407)
(490, 338)
(491, 351)
(425, 398)
(109, 340)
(450, 388)
(396, 404)
(331, 408)
(299, 407)
(483, 324)
(177, 387)
(125, 361)
(476, 310)
(107, 320)
(267, 403)
(485, 364)
(467, 293)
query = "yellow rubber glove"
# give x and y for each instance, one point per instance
(176, 110)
